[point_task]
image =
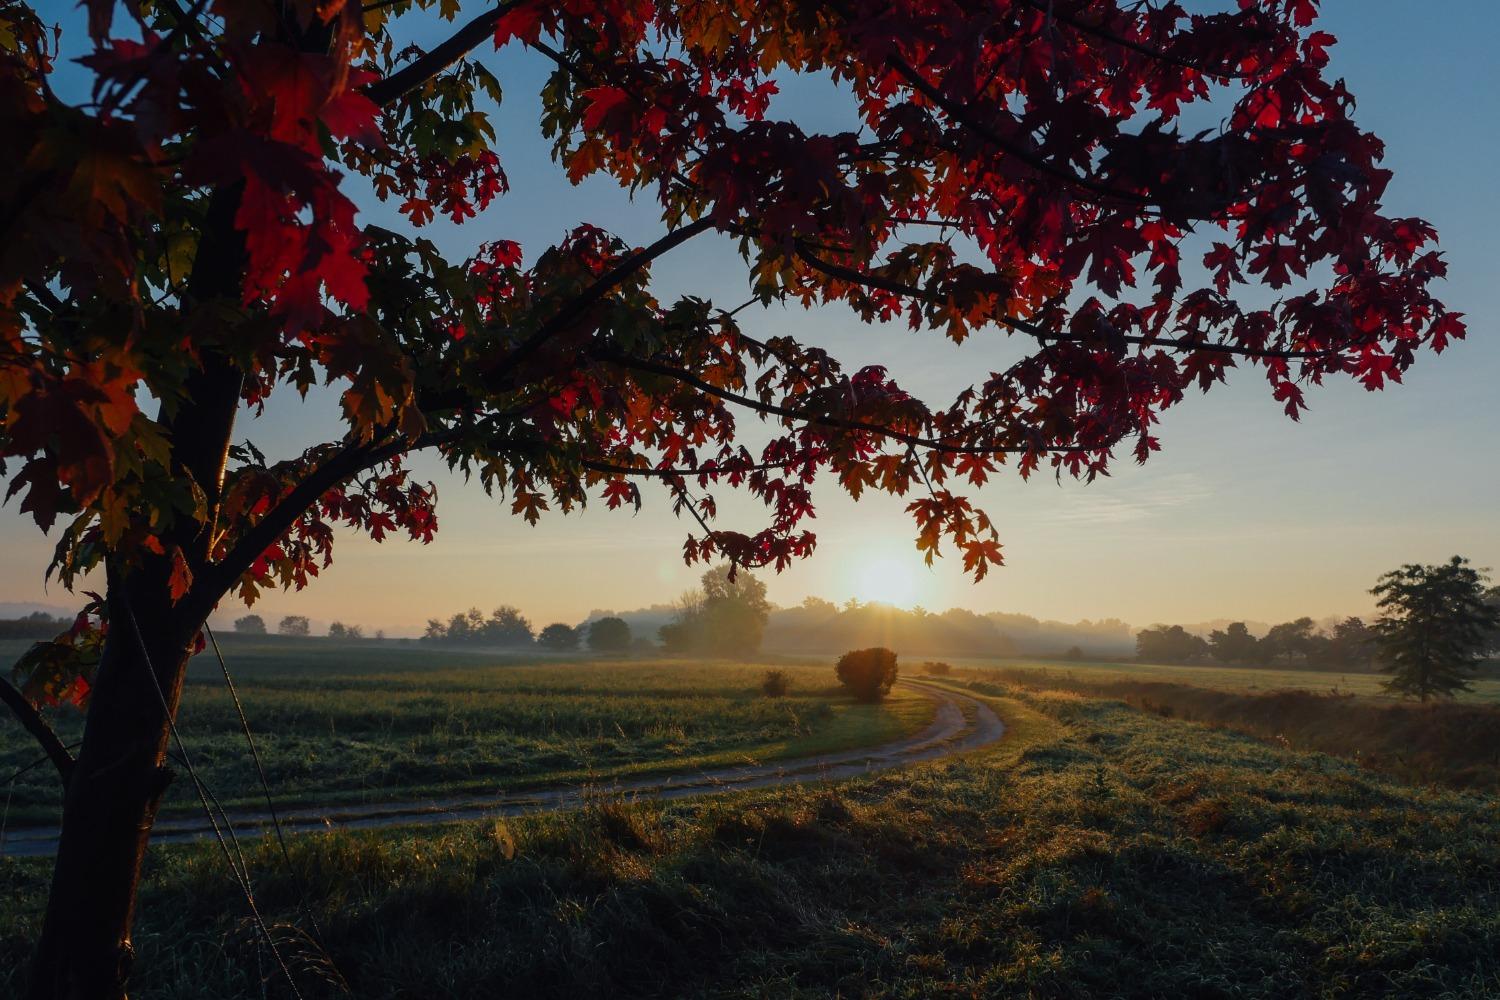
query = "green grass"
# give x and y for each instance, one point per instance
(341, 723)
(1099, 851)
(1486, 689)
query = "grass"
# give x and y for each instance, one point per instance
(1100, 851)
(1486, 689)
(374, 722)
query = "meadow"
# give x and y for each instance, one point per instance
(1220, 678)
(1098, 851)
(390, 721)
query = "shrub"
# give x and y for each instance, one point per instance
(937, 668)
(775, 684)
(867, 673)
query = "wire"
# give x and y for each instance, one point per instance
(242, 877)
(265, 784)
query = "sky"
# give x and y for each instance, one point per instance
(1243, 514)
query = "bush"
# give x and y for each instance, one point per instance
(867, 673)
(776, 684)
(937, 668)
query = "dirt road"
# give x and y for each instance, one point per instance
(960, 724)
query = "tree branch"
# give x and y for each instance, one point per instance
(37, 726)
(353, 458)
(962, 115)
(606, 283)
(1099, 31)
(825, 420)
(435, 60)
(858, 277)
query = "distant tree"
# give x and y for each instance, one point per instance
(380, 635)
(250, 625)
(1073, 653)
(1492, 599)
(1234, 644)
(559, 638)
(867, 673)
(937, 668)
(1291, 640)
(1352, 644)
(436, 631)
(723, 618)
(1169, 644)
(609, 635)
(338, 631)
(506, 626)
(354, 632)
(1434, 627)
(294, 625)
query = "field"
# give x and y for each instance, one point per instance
(1486, 690)
(1099, 851)
(339, 723)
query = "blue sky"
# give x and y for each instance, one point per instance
(1243, 513)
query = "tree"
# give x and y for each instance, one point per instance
(1169, 644)
(559, 638)
(506, 627)
(185, 241)
(1352, 644)
(338, 631)
(1234, 644)
(250, 625)
(1492, 598)
(1434, 627)
(294, 625)
(869, 674)
(1290, 639)
(727, 617)
(609, 635)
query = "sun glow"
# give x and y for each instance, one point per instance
(886, 579)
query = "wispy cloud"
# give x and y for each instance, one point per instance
(1108, 502)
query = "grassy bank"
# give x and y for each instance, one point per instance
(1452, 743)
(1221, 678)
(1101, 851)
(367, 723)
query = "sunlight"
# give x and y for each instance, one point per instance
(886, 579)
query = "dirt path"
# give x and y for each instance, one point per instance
(960, 724)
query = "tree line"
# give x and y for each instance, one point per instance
(1437, 624)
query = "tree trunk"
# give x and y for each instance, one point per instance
(112, 797)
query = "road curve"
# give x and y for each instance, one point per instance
(960, 724)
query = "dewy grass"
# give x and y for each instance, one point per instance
(338, 724)
(1099, 851)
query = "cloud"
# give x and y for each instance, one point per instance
(1108, 502)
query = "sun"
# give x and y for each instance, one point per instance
(886, 579)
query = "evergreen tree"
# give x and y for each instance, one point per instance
(1434, 627)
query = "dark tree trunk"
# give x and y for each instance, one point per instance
(112, 797)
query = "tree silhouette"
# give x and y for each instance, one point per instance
(609, 635)
(186, 241)
(250, 625)
(558, 637)
(1434, 627)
